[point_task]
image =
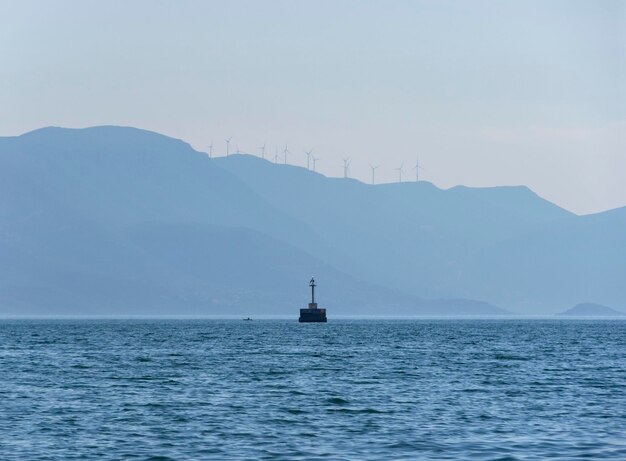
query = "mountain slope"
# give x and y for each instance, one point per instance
(411, 236)
(556, 267)
(123, 176)
(112, 220)
(108, 218)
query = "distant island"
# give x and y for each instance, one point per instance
(592, 309)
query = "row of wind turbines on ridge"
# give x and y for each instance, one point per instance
(311, 161)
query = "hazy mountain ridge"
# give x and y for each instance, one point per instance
(120, 220)
(114, 218)
(388, 231)
(504, 244)
(573, 259)
(165, 178)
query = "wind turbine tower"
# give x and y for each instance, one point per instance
(308, 158)
(263, 151)
(210, 146)
(228, 146)
(346, 166)
(373, 173)
(314, 160)
(286, 151)
(417, 169)
(400, 171)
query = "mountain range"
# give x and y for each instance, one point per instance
(115, 220)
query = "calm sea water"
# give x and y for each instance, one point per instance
(276, 389)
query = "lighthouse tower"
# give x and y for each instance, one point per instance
(312, 313)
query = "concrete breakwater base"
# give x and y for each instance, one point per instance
(312, 314)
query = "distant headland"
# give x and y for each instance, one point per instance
(591, 310)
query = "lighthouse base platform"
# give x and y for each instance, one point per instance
(312, 314)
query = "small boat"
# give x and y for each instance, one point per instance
(247, 318)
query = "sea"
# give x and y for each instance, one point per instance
(274, 389)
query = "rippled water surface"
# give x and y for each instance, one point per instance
(276, 389)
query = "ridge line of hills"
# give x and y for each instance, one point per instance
(112, 220)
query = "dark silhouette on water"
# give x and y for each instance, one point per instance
(312, 313)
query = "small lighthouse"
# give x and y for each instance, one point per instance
(312, 313)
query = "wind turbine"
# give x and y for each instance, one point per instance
(314, 160)
(417, 169)
(308, 158)
(210, 146)
(285, 151)
(263, 151)
(400, 171)
(238, 150)
(346, 166)
(228, 145)
(276, 155)
(373, 172)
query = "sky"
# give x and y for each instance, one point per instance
(485, 93)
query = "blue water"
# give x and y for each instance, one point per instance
(276, 389)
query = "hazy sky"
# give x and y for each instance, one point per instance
(486, 93)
